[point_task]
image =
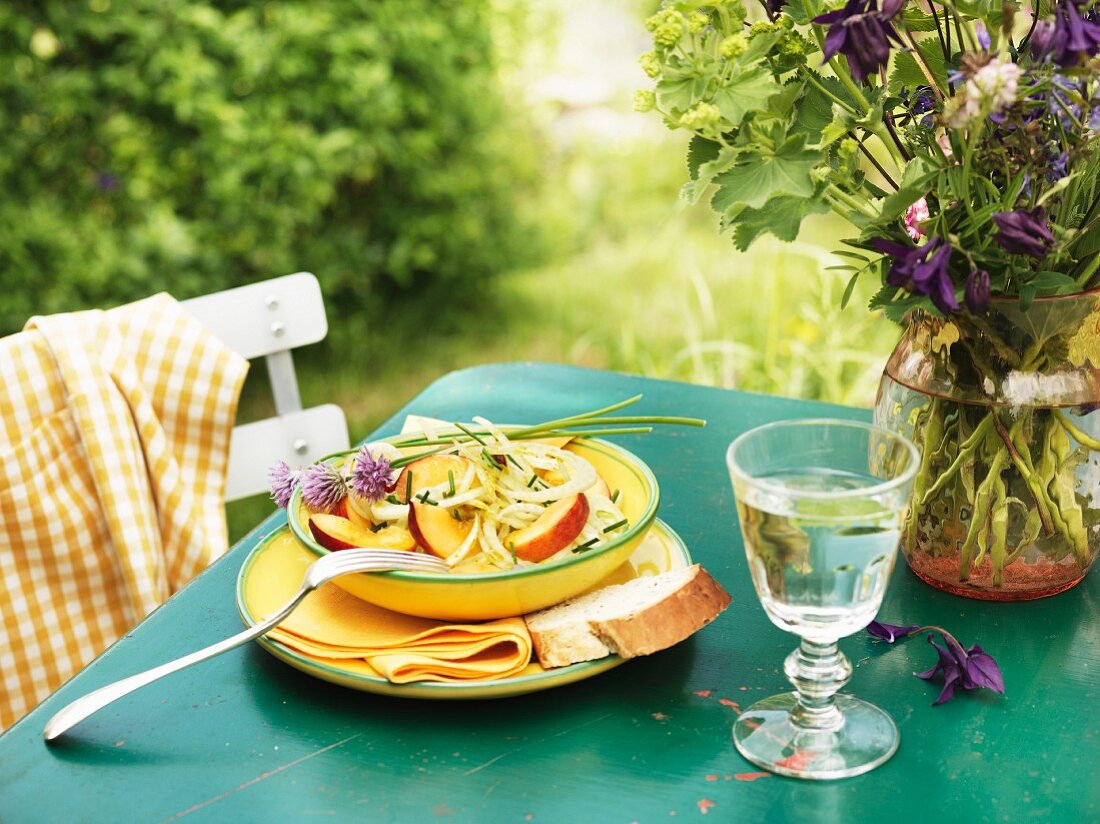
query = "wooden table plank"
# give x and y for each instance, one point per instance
(245, 737)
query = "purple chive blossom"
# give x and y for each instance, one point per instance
(890, 632)
(1075, 39)
(967, 668)
(862, 33)
(323, 486)
(371, 478)
(1024, 233)
(283, 482)
(977, 291)
(923, 270)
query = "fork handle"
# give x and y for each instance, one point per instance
(94, 701)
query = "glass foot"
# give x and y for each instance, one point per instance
(865, 738)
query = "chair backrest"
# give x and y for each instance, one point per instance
(268, 319)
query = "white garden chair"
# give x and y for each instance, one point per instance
(268, 319)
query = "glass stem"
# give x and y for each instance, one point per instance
(817, 671)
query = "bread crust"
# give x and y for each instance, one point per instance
(676, 615)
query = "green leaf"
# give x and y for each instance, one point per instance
(916, 20)
(842, 123)
(758, 49)
(915, 181)
(789, 99)
(1086, 245)
(802, 11)
(849, 289)
(895, 309)
(747, 92)
(700, 151)
(679, 89)
(760, 175)
(1027, 296)
(1054, 283)
(781, 216)
(703, 167)
(907, 73)
(815, 109)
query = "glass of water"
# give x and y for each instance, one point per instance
(821, 504)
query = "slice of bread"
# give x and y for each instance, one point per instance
(636, 618)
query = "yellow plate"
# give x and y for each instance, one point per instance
(276, 566)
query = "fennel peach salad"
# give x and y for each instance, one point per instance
(480, 497)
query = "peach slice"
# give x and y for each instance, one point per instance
(333, 532)
(552, 531)
(436, 529)
(430, 471)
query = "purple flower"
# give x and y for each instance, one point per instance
(1075, 39)
(323, 486)
(1042, 40)
(1024, 233)
(923, 100)
(1059, 166)
(283, 482)
(371, 478)
(890, 632)
(977, 291)
(923, 270)
(970, 668)
(106, 182)
(862, 33)
(983, 35)
(967, 668)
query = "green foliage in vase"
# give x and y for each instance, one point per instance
(959, 139)
(196, 145)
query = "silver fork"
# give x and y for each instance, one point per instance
(320, 572)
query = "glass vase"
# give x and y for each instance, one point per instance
(1006, 503)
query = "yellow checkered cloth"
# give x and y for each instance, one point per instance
(114, 438)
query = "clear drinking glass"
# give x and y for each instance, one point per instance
(821, 503)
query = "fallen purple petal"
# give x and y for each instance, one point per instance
(983, 670)
(890, 632)
(951, 677)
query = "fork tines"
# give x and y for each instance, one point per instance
(399, 558)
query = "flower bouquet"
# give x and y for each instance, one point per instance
(959, 139)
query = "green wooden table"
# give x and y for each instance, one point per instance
(246, 738)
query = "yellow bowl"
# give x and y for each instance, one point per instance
(484, 596)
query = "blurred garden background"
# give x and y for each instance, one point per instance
(466, 178)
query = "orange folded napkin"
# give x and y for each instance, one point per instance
(332, 625)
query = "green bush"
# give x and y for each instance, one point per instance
(191, 145)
